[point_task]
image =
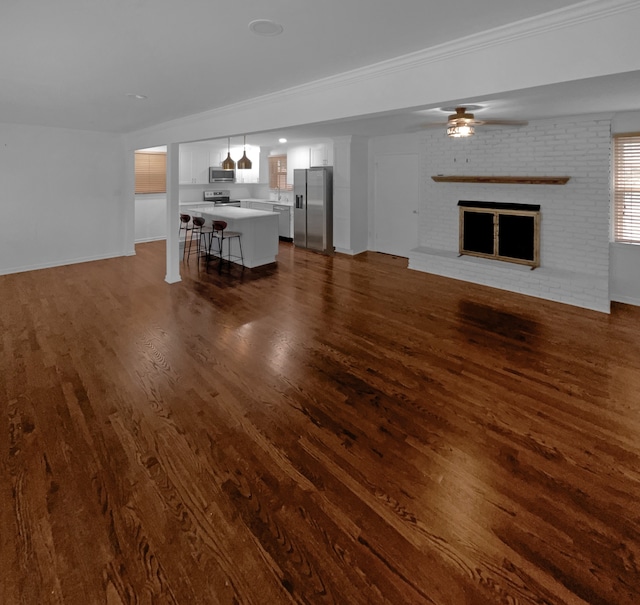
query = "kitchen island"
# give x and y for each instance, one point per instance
(259, 230)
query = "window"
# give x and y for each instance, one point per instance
(626, 188)
(278, 173)
(151, 172)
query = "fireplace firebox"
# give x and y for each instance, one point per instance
(502, 231)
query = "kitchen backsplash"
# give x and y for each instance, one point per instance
(237, 191)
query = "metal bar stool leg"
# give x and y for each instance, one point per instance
(221, 252)
(197, 230)
(241, 254)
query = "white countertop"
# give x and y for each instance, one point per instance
(266, 201)
(229, 212)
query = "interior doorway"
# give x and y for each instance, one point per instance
(397, 197)
(150, 194)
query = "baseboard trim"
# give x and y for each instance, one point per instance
(145, 240)
(61, 263)
(627, 300)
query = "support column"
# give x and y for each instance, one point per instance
(129, 235)
(173, 213)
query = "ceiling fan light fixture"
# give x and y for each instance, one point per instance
(458, 131)
(461, 124)
(244, 163)
(228, 163)
(460, 116)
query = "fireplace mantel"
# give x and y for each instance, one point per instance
(509, 180)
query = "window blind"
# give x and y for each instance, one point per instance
(151, 172)
(626, 188)
(278, 173)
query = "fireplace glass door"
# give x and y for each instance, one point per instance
(509, 232)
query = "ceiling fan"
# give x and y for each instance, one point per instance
(462, 124)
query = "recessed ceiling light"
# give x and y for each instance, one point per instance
(133, 95)
(265, 27)
(282, 140)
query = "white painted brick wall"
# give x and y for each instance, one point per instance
(574, 240)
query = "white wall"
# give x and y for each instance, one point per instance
(575, 217)
(151, 217)
(63, 197)
(624, 282)
(350, 190)
(359, 194)
(341, 195)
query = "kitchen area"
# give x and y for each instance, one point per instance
(216, 177)
(266, 186)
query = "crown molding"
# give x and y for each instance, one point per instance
(589, 10)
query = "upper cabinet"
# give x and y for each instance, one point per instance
(319, 155)
(305, 156)
(194, 165)
(196, 158)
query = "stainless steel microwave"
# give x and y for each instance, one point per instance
(221, 175)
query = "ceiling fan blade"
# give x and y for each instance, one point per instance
(500, 122)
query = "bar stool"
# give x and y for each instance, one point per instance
(203, 235)
(186, 226)
(221, 235)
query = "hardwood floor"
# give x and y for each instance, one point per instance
(332, 430)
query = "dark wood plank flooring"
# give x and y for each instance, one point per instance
(330, 430)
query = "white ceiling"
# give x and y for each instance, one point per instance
(71, 63)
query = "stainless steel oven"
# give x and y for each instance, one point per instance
(220, 198)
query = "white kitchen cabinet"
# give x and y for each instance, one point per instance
(297, 157)
(284, 212)
(318, 156)
(185, 175)
(306, 156)
(215, 159)
(266, 206)
(194, 166)
(284, 220)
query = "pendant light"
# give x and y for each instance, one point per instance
(228, 164)
(244, 163)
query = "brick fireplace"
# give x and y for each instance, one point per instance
(574, 234)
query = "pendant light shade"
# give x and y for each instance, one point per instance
(244, 163)
(228, 164)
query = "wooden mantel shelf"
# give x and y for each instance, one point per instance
(511, 180)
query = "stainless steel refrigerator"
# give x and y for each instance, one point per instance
(313, 208)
